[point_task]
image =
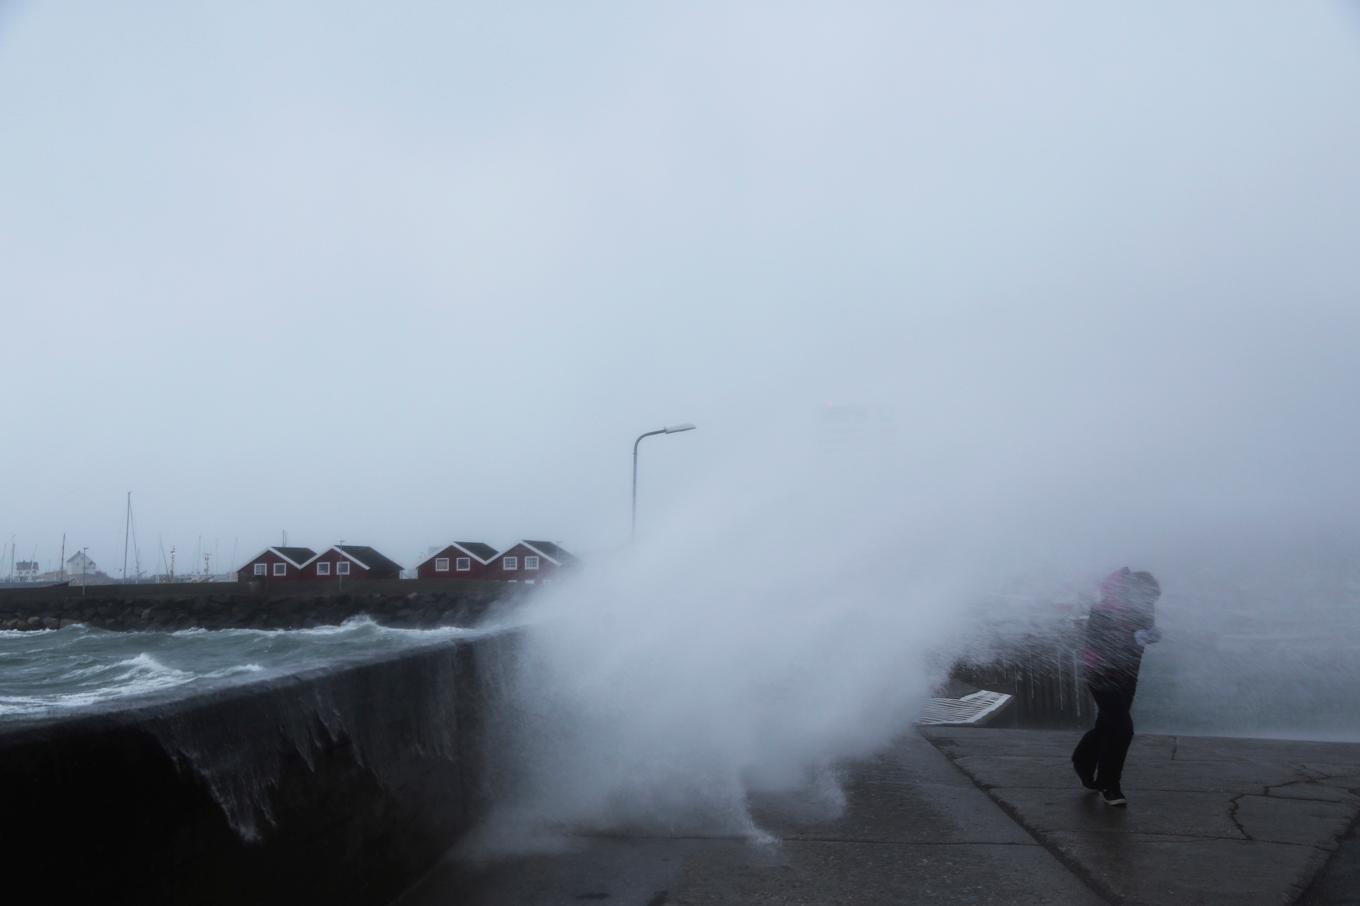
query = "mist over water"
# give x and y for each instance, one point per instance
(1262, 640)
(799, 607)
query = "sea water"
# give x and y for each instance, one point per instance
(50, 672)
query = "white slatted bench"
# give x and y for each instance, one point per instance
(975, 708)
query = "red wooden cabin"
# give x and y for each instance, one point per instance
(350, 561)
(459, 560)
(530, 561)
(275, 564)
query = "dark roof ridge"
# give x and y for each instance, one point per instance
(294, 554)
(550, 549)
(367, 557)
(479, 550)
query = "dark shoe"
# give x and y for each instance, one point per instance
(1087, 780)
(1114, 796)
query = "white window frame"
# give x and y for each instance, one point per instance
(510, 564)
(441, 564)
(323, 568)
(531, 563)
(261, 569)
(463, 564)
(342, 568)
(280, 569)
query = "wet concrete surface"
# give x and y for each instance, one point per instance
(978, 816)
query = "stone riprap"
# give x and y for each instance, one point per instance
(982, 816)
(244, 605)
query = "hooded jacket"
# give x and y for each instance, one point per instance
(1113, 655)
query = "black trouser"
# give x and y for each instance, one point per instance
(1103, 748)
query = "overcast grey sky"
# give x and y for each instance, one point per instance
(398, 274)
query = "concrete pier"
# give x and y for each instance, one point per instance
(981, 816)
(337, 785)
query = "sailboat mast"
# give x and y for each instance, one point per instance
(127, 525)
(136, 553)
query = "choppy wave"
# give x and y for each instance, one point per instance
(54, 670)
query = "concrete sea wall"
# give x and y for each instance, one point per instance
(337, 786)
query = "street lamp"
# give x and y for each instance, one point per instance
(672, 429)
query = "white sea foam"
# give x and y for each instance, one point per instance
(144, 664)
(21, 704)
(352, 626)
(237, 670)
(70, 669)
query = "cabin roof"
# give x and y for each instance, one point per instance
(367, 557)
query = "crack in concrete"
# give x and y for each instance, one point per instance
(1278, 786)
(1311, 774)
(1318, 869)
(1079, 871)
(855, 842)
(1318, 781)
(1306, 799)
(1195, 838)
(1233, 805)
(1322, 870)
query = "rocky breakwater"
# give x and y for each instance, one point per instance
(246, 605)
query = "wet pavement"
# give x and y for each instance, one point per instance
(980, 816)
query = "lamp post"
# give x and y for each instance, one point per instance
(672, 429)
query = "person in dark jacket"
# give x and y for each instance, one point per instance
(1120, 626)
